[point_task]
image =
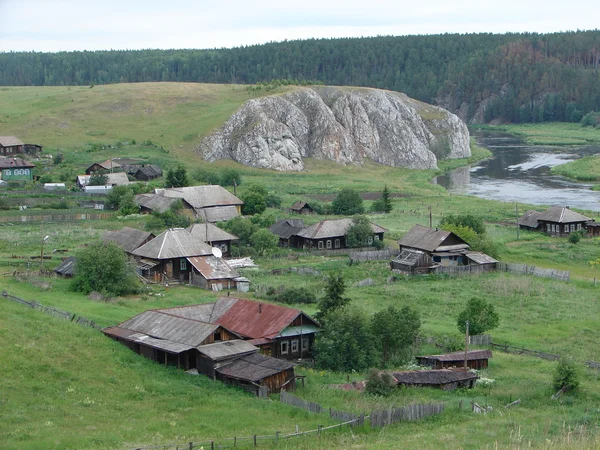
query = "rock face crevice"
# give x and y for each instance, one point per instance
(345, 125)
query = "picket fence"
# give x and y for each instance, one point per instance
(385, 417)
(376, 255)
(561, 275)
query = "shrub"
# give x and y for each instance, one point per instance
(574, 237)
(230, 177)
(566, 376)
(481, 316)
(292, 295)
(379, 383)
(347, 202)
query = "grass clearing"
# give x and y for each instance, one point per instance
(550, 133)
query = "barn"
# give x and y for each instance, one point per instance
(476, 359)
(445, 379)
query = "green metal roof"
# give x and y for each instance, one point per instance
(298, 330)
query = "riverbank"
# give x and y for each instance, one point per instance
(551, 133)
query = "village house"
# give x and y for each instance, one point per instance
(301, 207)
(128, 239)
(112, 179)
(15, 169)
(103, 167)
(476, 359)
(278, 331)
(287, 229)
(445, 379)
(10, 145)
(331, 234)
(423, 249)
(213, 235)
(556, 221)
(209, 203)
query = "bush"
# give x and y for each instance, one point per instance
(380, 383)
(292, 295)
(481, 316)
(58, 158)
(206, 176)
(566, 376)
(574, 237)
(273, 201)
(230, 177)
(46, 178)
(464, 220)
(348, 202)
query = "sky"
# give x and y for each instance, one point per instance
(65, 25)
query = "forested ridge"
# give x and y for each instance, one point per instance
(511, 77)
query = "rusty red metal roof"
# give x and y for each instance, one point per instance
(257, 319)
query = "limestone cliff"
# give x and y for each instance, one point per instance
(345, 125)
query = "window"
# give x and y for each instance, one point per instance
(328, 244)
(572, 227)
(320, 245)
(305, 344)
(547, 227)
(182, 264)
(566, 228)
(553, 228)
(217, 337)
(370, 240)
(337, 243)
(578, 226)
(284, 347)
(294, 345)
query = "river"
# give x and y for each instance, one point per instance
(518, 172)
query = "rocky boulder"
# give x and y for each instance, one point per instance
(345, 125)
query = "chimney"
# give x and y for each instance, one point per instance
(260, 308)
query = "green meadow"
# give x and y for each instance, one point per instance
(64, 386)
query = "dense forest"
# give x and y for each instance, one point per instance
(482, 77)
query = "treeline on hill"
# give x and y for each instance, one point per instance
(515, 77)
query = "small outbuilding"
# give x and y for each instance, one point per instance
(476, 359)
(301, 207)
(445, 379)
(213, 273)
(128, 239)
(107, 166)
(67, 267)
(412, 262)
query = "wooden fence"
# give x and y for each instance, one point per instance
(80, 320)
(523, 351)
(561, 275)
(56, 217)
(377, 255)
(346, 417)
(290, 399)
(480, 339)
(385, 417)
(460, 270)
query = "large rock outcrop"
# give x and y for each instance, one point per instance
(345, 125)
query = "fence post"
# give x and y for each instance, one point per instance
(277, 437)
(191, 444)
(212, 445)
(320, 426)
(255, 440)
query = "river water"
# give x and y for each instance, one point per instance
(518, 172)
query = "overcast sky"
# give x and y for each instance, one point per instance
(56, 25)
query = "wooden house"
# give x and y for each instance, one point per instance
(213, 273)
(445, 379)
(15, 169)
(10, 145)
(214, 236)
(103, 167)
(561, 221)
(529, 220)
(143, 172)
(128, 239)
(444, 247)
(412, 262)
(476, 359)
(301, 207)
(278, 331)
(287, 229)
(210, 203)
(331, 234)
(165, 258)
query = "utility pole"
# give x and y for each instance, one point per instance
(44, 239)
(517, 216)
(430, 218)
(466, 342)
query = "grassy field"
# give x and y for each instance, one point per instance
(101, 395)
(583, 169)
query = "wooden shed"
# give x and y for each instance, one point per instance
(287, 229)
(476, 359)
(412, 262)
(445, 379)
(128, 239)
(301, 207)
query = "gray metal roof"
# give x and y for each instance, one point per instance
(227, 349)
(113, 179)
(208, 232)
(161, 325)
(560, 214)
(213, 268)
(67, 267)
(428, 239)
(173, 243)
(460, 356)
(480, 258)
(9, 141)
(332, 228)
(530, 219)
(254, 367)
(9, 163)
(217, 213)
(286, 228)
(297, 206)
(203, 196)
(127, 238)
(154, 202)
(141, 338)
(208, 312)
(434, 377)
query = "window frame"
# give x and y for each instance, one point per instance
(294, 346)
(182, 264)
(284, 347)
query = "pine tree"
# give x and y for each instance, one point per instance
(386, 200)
